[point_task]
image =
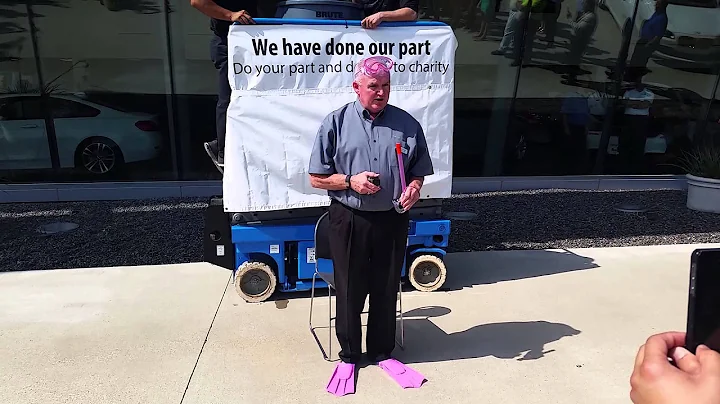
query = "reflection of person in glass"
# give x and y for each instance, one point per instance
(507, 43)
(354, 159)
(487, 14)
(576, 119)
(583, 29)
(549, 20)
(531, 14)
(631, 144)
(222, 13)
(377, 11)
(652, 31)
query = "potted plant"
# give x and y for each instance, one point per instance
(703, 178)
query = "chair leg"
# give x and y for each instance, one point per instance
(312, 297)
(312, 329)
(329, 321)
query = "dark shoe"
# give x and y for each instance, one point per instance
(497, 52)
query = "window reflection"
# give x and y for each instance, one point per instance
(126, 89)
(90, 76)
(592, 75)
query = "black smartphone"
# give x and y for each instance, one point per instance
(374, 180)
(703, 318)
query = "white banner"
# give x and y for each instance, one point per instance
(286, 78)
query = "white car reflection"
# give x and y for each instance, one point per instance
(91, 137)
(693, 29)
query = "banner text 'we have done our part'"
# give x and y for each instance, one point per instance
(336, 48)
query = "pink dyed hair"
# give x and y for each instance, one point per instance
(374, 66)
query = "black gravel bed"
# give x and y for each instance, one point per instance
(546, 219)
(169, 231)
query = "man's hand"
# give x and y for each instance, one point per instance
(360, 183)
(696, 379)
(241, 17)
(372, 21)
(409, 197)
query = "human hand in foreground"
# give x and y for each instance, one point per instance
(372, 21)
(409, 197)
(695, 380)
(242, 16)
(361, 184)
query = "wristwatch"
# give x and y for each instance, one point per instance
(347, 180)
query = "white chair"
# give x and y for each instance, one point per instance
(322, 254)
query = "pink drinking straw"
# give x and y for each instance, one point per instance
(398, 150)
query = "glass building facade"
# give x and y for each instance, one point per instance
(125, 90)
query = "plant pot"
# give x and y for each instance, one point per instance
(703, 194)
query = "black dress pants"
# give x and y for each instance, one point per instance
(219, 55)
(367, 250)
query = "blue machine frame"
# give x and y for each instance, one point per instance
(288, 248)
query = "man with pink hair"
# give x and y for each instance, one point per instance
(354, 158)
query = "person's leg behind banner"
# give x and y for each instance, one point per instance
(349, 234)
(386, 260)
(219, 55)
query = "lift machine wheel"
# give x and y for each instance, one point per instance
(427, 273)
(255, 281)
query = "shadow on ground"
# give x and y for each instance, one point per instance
(510, 340)
(481, 268)
(465, 270)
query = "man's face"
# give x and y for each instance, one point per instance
(373, 93)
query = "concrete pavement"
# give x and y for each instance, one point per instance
(104, 335)
(549, 326)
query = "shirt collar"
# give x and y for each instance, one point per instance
(365, 113)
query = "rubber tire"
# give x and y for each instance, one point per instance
(428, 259)
(119, 157)
(246, 268)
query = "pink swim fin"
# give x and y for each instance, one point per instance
(342, 381)
(405, 376)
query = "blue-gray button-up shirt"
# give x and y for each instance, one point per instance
(349, 141)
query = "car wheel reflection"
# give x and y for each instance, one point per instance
(99, 156)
